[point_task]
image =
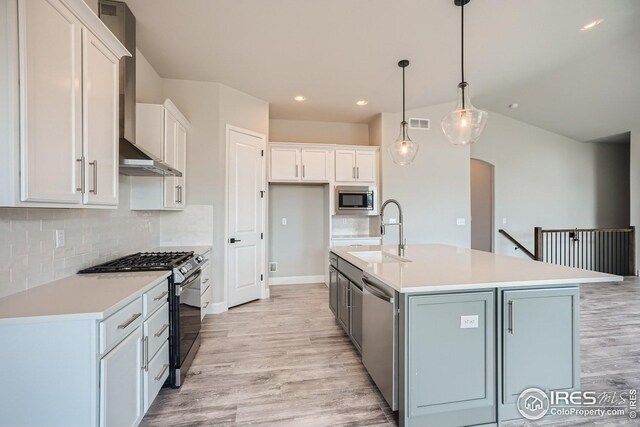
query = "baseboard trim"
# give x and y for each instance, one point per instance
(296, 280)
(217, 308)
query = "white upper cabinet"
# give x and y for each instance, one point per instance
(150, 129)
(285, 164)
(358, 165)
(51, 108)
(100, 122)
(366, 166)
(170, 138)
(345, 165)
(161, 131)
(59, 95)
(315, 165)
(296, 164)
(291, 162)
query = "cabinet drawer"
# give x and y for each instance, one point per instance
(205, 299)
(155, 375)
(156, 330)
(206, 275)
(154, 298)
(120, 324)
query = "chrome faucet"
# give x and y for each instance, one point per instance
(400, 224)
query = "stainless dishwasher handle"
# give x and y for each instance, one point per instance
(375, 291)
(129, 321)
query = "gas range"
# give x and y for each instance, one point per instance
(183, 264)
(184, 290)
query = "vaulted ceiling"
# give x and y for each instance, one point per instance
(583, 84)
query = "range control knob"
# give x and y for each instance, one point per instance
(199, 258)
(183, 270)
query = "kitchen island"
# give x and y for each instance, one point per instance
(452, 336)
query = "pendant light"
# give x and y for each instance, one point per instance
(464, 124)
(403, 150)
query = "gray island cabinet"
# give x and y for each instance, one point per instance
(452, 336)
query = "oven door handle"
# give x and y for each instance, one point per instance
(191, 279)
(188, 283)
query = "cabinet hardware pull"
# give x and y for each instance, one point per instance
(146, 354)
(161, 331)
(357, 172)
(161, 296)
(353, 172)
(95, 177)
(296, 171)
(164, 369)
(129, 321)
(511, 318)
(82, 174)
(175, 194)
(303, 171)
(206, 304)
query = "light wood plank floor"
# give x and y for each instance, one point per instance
(285, 362)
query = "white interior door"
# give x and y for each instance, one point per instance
(245, 217)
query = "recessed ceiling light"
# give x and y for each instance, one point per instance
(300, 98)
(591, 25)
(362, 102)
(513, 106)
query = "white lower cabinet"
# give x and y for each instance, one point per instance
(155, 375)
(121, 383)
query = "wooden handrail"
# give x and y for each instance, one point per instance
(519, 245)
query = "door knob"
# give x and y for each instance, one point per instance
(234, 240)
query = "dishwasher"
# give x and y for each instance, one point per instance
(380, 337)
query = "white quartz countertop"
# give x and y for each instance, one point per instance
(200, 250)
(82, 296)
(435, 268)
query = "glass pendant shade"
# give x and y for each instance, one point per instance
(403, 151)
(465, 124)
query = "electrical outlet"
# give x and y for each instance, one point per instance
(59, 239)
(469, 322)
(273, 267)
(504, 221)
(393, 220)
(284, 221)
(460, 221)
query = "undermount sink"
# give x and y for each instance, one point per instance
(378, 257)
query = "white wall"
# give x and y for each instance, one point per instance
(434, 189)
(318, 132)
(298, 247)
(547, 180)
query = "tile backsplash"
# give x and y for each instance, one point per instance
(28, 253)
(191, 227)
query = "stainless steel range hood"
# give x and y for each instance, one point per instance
(134, 161)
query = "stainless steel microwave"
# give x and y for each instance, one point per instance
(354, 200)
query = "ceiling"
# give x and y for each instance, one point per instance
(334, 52)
